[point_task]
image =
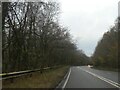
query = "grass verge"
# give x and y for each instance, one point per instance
(48, 79)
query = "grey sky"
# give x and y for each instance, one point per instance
(87, 20)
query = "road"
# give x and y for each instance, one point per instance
(86, 77)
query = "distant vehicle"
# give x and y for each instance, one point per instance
(90, 66)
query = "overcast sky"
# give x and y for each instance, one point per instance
(88, 20)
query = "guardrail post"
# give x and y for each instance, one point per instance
(41, 71)
(30, 75)
(11, 80)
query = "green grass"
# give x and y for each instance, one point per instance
(48, 79)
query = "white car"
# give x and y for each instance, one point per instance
(90, 66)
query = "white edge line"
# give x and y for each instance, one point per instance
(63, 79)
(102, 78)
(66, 79)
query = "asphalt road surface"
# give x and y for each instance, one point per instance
(86, 77)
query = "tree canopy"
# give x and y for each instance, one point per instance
(106, 52)
(33, 38)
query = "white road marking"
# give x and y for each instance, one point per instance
(104, 79)
(66, 80)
